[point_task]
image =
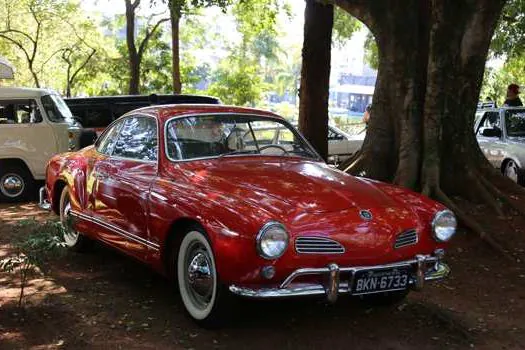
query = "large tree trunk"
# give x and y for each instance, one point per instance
(175, 47)
(134, 59)
(432, 57)
(315, 74)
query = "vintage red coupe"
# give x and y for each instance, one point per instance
(204, 194)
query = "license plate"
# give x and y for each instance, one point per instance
(374, 281)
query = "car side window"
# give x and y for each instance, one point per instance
(19, 112)
(107, 141)
(137, 139)
(490, 120)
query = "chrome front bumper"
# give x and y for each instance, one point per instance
(427, 268)
(43, 203)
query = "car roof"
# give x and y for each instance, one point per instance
(165, 112)
(18, 92)
(153, 99)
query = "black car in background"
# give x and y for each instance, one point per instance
(98, 112)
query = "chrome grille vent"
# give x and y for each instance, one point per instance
(318, 245)
(405, 239)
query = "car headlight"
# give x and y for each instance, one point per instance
(272, 240)
(444, 225)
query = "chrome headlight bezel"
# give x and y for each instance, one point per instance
(262, 235)
(440, 215)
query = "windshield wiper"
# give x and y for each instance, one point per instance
(238, 152)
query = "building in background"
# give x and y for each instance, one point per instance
(352, 81)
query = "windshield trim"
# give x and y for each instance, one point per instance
(269, 117)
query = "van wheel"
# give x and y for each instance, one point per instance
(16, 183)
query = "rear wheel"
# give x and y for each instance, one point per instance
(73, 239)
(205, 299)
(16, 183)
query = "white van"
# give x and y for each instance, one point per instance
(35, 124)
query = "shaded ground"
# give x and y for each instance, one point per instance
(106, 300)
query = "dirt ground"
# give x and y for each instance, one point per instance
(105, 300)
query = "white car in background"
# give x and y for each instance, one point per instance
(341, 145)
(35, 124)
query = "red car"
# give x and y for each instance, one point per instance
(203, 194)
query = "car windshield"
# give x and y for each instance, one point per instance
(56, 109)
(208, 136)
(515, 122)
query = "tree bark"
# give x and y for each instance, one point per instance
(431, 62)
(315, 75)
(134, 59)
(432, 56)
(175, 15)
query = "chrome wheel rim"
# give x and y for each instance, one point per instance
(199, 278)
(511, 171)
(70, 235)
(12, 185)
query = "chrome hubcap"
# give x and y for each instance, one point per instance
(199, 277)
(70, 235)
(12, 185)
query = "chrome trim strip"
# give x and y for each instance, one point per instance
(117, 230)
(316, 243)
(405, 239)
(324, 270)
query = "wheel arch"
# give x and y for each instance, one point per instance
(16, 161)
(58, 187)
(174, 237)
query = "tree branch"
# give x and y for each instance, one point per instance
(83, 65)
(148, 35)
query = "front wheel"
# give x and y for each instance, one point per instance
(74, 240)
(204, 297)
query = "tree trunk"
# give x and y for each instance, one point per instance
(315, 75)
(134, 59)
(175, 47)
(432, 56)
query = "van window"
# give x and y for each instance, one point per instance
(19, 112)
(56, 109)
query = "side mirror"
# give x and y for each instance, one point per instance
(494, 132)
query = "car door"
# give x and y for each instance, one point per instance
(490, 137)
(125, 178)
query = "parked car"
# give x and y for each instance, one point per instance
(501, 137)
(341, 145)
(182, 189)
(35, 124)
(96, 113)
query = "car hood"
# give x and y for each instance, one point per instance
(284, 185)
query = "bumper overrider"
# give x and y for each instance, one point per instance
(43, 202)
(425, 268)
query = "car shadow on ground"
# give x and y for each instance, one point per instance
(104, 299)
(116, 300)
